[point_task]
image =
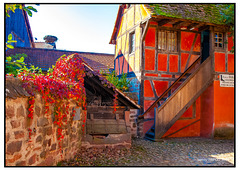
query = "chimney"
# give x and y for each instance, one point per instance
(50, 39)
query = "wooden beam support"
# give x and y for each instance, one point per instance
(191, 26)
(145, 30)
(163, 22)
(176, 24)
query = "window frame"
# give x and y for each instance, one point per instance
(217, 42)
(131, 42)
(168, 40)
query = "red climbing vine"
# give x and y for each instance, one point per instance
(63, 83)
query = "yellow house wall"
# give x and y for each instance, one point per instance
(131, 20)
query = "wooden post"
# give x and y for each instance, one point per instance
(127, 118)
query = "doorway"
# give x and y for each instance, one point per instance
(205, 44)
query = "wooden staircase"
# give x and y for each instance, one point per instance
(180, 100)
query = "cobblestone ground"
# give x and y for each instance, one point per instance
(168, 152)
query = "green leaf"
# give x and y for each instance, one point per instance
(10, 46)
(31, 8)
(9, 59)
(29, 13)
(21, 59)
(10, 37)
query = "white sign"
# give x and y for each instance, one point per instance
(226, 80)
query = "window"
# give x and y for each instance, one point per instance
(167, 40)
(132, 42)
(218, 40)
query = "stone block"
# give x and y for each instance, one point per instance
(77, 114)
(53, 147)
(32, 159)
(15, 124)
(49, 161)
(39, 138)
(14, 147)
(10, 112)
(19, 134)
(46, 142)
(47, 131)
(38, 111)
(42, 122)
(43, 154)
(20, 112)
(14, 159)
(21, 163)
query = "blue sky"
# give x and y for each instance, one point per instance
(79, 27)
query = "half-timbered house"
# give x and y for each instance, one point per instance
(179, 60)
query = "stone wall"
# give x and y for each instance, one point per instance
(133, 122)
(43, 147)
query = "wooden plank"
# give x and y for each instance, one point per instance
(153, 89)
(145, 30)
(100, 126)
(105, 115)
(105, 121)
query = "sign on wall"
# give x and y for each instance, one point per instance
(226, 80)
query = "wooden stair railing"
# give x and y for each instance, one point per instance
(172, 86)
(181, 99)
(188, 92)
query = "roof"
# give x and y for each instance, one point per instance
(117, 24)
(14, 88)
(202, 14)
(45, 58)
(209, 13)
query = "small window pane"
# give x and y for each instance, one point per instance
(218, 40)
(132, 42)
